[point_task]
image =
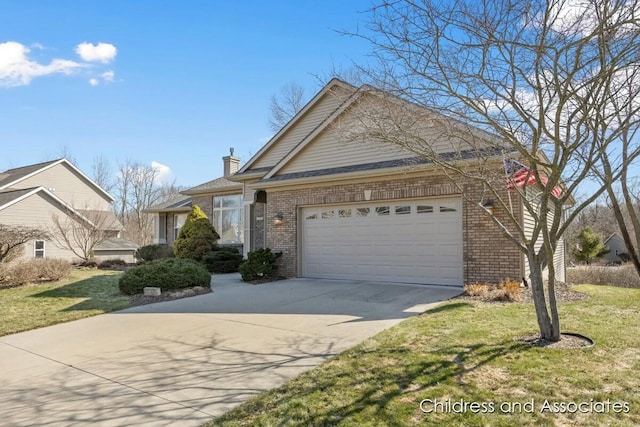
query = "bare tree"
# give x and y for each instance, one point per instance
(285, 105)
(13, 239)
(138, 187)
(82, 232)
(101, 173)
(549, 84)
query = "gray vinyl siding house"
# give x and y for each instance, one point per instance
(33, 195)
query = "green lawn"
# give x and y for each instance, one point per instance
(467, 351)
(85, 293)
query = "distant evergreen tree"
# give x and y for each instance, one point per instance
(589, 246)
(197, 236)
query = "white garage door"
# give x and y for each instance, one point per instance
(410, 242)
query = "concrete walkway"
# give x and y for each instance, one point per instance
(183, 362)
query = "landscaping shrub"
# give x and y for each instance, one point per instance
(510, 290)
(153, 252)
(112, 264)
(623, 276)
(166, 274)
(86, 264)
(33, 271)
(477, 289)
(223, 261)
(197, 236)
(259, 264)
(506, 290)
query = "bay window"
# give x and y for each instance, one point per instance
(228, 218)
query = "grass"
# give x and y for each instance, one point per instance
(468, 351)
(85, 293)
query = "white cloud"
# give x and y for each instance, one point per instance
(16, 69)
(164, 172)
(101, 52)
(108, 76)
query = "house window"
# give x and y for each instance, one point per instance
(178, 222)
(162, 227)
(228, 218)
(39, 249)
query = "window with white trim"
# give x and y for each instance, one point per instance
(178, 222)
(228, 218)
(38, 249)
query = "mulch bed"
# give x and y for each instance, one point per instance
(567, 340)
(564, 294)
(136, 300)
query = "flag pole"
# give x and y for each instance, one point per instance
(504, 164)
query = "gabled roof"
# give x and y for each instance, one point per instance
(9, 196)
(218, 184)
(12, 197)
(326, 89)
(11, 177)
(179, 203)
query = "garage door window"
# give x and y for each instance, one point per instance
(313, 216)
(382, 210)
(447, 209)
(344, 213)
(363, 211)
(328, 214)
(403, 210)
(422, 209)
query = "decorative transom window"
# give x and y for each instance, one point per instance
(228, 218)
(39, 249)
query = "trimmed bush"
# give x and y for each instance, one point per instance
(260, 264)
(33, 271)
(112, 264)
(197, 236)
(167, 274)
(153, 252)
(223, 261)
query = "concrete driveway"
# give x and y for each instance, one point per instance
(186, 361)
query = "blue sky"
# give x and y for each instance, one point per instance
(172, 82)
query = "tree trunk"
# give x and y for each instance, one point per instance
(549, 330)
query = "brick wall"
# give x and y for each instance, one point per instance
(488, 256)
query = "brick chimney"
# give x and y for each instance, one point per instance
(231, 163)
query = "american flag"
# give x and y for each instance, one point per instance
(518, 175)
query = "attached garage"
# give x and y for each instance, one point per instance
(410, 241)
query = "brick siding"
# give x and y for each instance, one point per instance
(487, 254)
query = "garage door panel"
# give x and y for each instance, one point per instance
(356, 242)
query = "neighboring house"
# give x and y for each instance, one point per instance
(33, 195)
(615, 244)
(220, 199)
